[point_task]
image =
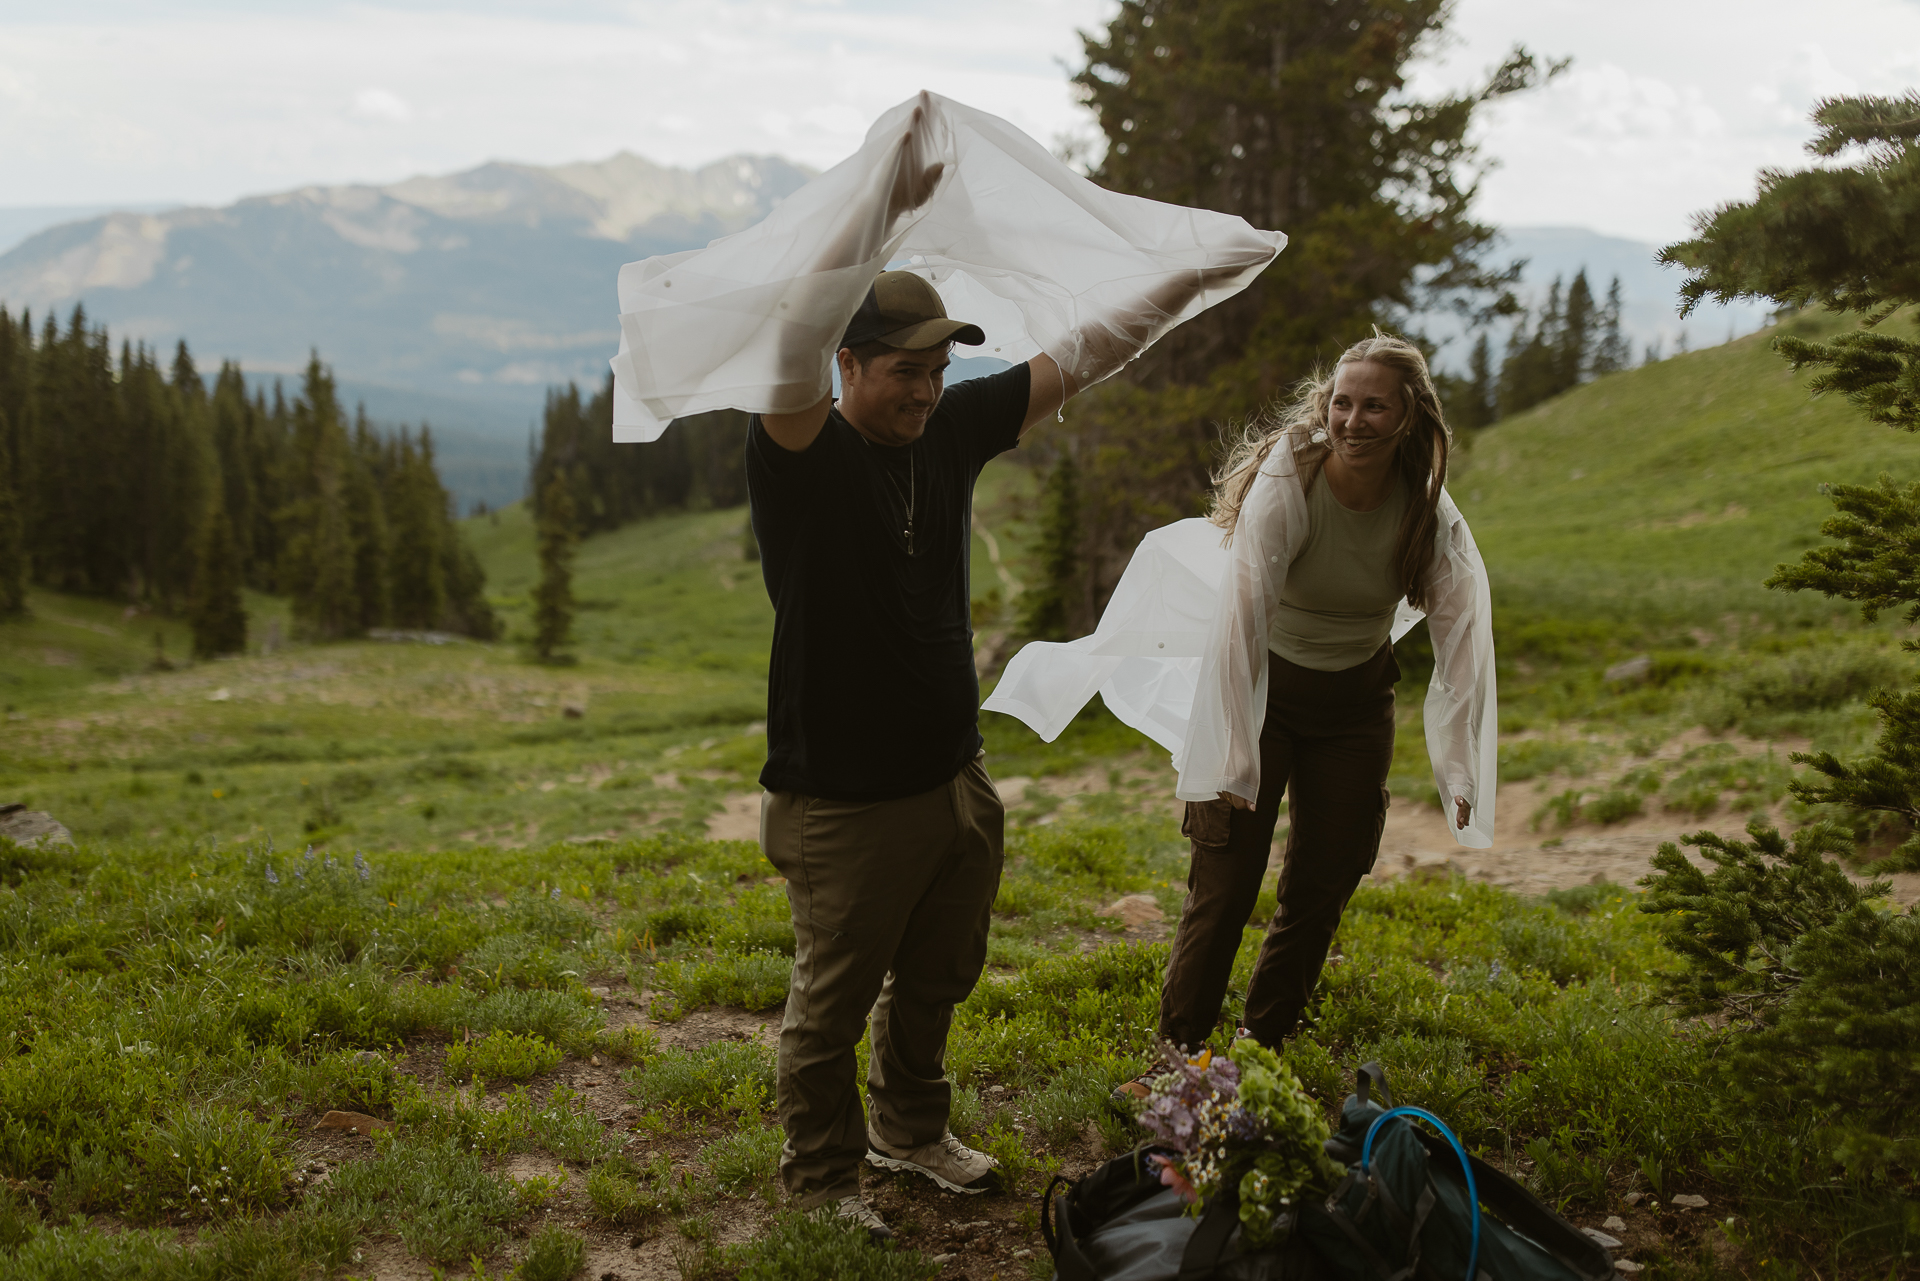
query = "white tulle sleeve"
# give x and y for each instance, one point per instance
(1462, 713)
(1222, 748)
(1039, 257)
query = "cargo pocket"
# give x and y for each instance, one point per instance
(1208, 823)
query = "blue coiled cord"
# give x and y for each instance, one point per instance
(1473, 1194)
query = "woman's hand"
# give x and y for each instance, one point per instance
(1237, 801)
(1461, 812)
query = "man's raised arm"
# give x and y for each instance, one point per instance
(913, 183)
(1109, 342)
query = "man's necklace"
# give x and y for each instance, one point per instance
(906, 499)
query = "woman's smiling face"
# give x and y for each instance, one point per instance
(1367, 411)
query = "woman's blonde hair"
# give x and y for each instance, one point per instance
(1421, 456)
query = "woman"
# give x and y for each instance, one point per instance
(1266, 666)
(1335, 514)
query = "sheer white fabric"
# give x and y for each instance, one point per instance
(1017, 243)
(1181, 651)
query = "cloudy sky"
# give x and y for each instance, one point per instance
(1671, 105)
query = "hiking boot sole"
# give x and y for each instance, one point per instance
(987, 1182)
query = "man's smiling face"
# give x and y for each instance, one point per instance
(889, 399)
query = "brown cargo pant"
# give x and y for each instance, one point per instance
(891, 902)
(1328, 737)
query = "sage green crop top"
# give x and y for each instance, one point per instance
(1337, 607)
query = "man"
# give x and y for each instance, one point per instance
(879, 811)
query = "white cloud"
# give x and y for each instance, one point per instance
(1670, 107)
(382, 104)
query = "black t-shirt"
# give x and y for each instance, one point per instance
(871, 693)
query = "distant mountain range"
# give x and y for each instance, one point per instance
(461, 298)
(482, 287)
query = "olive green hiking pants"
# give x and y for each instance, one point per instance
(891, 902)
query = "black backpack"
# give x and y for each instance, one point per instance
(1402, 1213)
(1404, 1209)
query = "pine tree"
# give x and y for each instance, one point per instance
(215, 610)
(1473, 401)
(1295, 115)
(1846, 237)
(319, 560)
(1612, 352)
(553, 598)
(1574, 355)
(417, 511)
(1834, 1041)
(13, 543)
(367, 526)
(1047, 608)
(1530, 373)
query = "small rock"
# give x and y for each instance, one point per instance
(627, 1113)
(1634, 669)
(1611, 1243)
(1614, 1223)
(1635, 1198)
(942, 1260)
(1627, 1266)
(776, 880)
(352, 1122)
(1690, 1201)
(220, 695)
(1134, 909)
(31, 828)
(572, 711)
(1023, 1254)
(593, 1060)
(368, 1057)
(602, 992)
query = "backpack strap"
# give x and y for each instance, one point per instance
(1056, 1225)
(1046, 1213)
(1209, 1240)
(1525, 1213)
(1372, 1074)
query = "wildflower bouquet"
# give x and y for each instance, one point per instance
(1240, 1121)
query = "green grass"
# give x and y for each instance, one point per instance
(396, 878)
(1664, 496)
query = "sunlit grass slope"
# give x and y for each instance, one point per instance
(1667, 494)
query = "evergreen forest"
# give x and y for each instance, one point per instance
(126, 479)
(696, 466)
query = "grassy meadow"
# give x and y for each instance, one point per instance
(513, 914)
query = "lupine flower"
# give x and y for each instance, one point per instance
(360, 866)
(271, 878)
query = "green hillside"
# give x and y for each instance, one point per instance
(1667, 494)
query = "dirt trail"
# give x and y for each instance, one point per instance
(1530, 860)
(1418, 839)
